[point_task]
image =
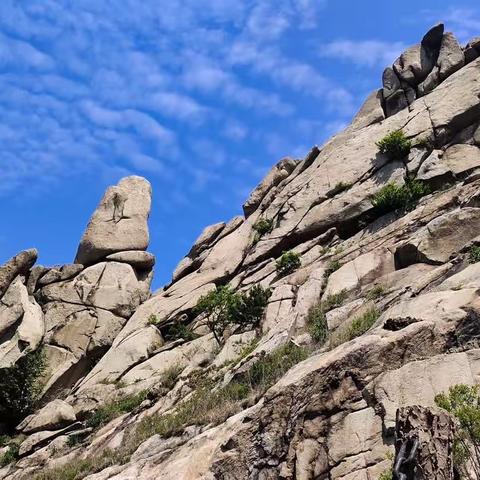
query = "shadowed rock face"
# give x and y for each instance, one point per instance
(395, 292)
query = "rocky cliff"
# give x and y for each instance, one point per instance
(373, 311)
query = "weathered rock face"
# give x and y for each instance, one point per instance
(119, 223)
(395, 294)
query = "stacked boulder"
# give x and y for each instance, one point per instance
(416, 72)
(74, 311)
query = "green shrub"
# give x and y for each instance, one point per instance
(393, 197)
(11, 455)
(395, 145)
(333, 266)
(267, 370)
(386, 475)
(357, 327)
(474, 254)
(170, 376)
(288, 262)
(224, 307)
(377, 291)
(109, 411)
(153, 320)
(463, 402)
(263, 226)
(317, 324)
(20, 388)
(334, 301)
(179, 331)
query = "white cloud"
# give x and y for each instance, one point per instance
(364, 53)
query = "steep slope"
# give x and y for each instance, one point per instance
(387, 247)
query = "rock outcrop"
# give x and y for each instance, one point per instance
(377, 316)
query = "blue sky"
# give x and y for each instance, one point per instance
(201, 97)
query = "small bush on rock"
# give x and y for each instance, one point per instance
(109, 411)
(333, 266)
(266, 371)
(463, 402)
(395, 145)
(179, 331)
(474, 254)
(339, 188)
(20, 388)
(224, 307)
(288, 262)
(393, 197)
(317, 324)
(11, 455)
(377, 291)
(357, 327)
(263, 226)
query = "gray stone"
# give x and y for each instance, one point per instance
(462, 159)
(205, 239)
(395, 102)
(138, 259)
(472, 50)
(17, 265)
(35, 273)
(119, 223)
(370, 112)
(57, 274)
(440, 238)
(450, 58)
(431, 82)
(54, 415)
(111, 286)
(435, 170)
(476, 136)
(390, 82)
(278, 173)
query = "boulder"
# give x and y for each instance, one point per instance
(11, 308)
(56, 414)
(111, 286)
(370, 112)
(119, 223)
(395, 102)
(363, 270)
(17, 265)
(205, 239)
(138, 259)
(440, 238)
(462, 159)
(472, 50)
(416, 62)
(278, 173)
(476, 137)
(390, 82)
(79, 328)
(435, 170)
(450, 58)
(57, 274)
(29, 332)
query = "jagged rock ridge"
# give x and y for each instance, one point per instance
(334, 415)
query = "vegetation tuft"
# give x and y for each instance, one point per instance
(288, 262)
(395, 145)
(11, 455)
(20, 388)
(224, 307)
(111, 410)
(463, 402)
(404, 197)
(377, 291)
(357, 327)
(474, 254)
(333, 266)
(262, 227)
